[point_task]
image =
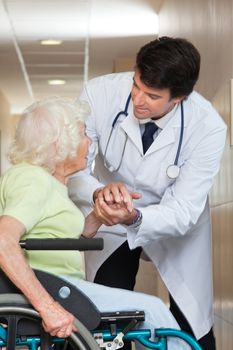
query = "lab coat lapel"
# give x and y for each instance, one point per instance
(131, 127)
(165, 137)
(168, 135)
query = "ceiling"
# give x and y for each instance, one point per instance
(95, 34)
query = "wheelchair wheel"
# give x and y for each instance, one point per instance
(16, 305)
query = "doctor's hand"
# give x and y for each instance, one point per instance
(116, 193)
(112, 214)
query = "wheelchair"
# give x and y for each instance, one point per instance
(20, 324)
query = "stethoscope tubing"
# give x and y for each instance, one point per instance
(181, 134)
(124, 112)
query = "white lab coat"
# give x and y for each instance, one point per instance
(176, 231)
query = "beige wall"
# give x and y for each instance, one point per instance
(208, 24)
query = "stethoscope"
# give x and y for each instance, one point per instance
(172, 171)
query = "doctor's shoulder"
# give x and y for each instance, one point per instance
(108, 91)
(204, 111)
(111, 79)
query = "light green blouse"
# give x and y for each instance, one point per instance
(41, 203)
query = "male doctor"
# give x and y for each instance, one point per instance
(156, 141)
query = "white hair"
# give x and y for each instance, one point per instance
(49, 131)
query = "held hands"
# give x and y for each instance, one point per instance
(56, 320)
(114, 204)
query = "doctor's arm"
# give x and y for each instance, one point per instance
(183, 202)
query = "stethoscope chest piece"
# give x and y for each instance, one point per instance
(111, 168)
(173, 171)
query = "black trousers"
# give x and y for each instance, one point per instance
(120, 271)
(207, 342)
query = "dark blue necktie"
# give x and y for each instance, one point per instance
(147, 137)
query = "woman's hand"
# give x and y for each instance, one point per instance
(116, 193)
(56, 320)
(114, 213)
(114, 204)
(92, 224)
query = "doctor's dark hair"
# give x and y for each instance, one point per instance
(169, 63)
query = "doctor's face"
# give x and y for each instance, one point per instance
(150, 102)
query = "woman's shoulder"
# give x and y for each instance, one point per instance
(24, 172)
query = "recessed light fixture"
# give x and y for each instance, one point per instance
(51, 42)
(56, 82)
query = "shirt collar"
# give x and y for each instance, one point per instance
(162, 122)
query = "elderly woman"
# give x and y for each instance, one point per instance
(49, 146)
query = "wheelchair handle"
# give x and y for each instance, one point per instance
(80, 244)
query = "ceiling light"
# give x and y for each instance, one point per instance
(51, 42)
(105, 24)
(56, 82)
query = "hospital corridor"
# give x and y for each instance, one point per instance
(54, 47)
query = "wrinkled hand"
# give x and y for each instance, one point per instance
(92, 224)
(112, 214)
(57, 321)
(117, 193)
(114, 204)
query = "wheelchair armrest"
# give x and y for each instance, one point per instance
(62, 291)
(80, 244)
(72, 299)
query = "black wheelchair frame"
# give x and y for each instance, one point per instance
(20, 324)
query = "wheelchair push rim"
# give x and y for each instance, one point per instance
(16, 304)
